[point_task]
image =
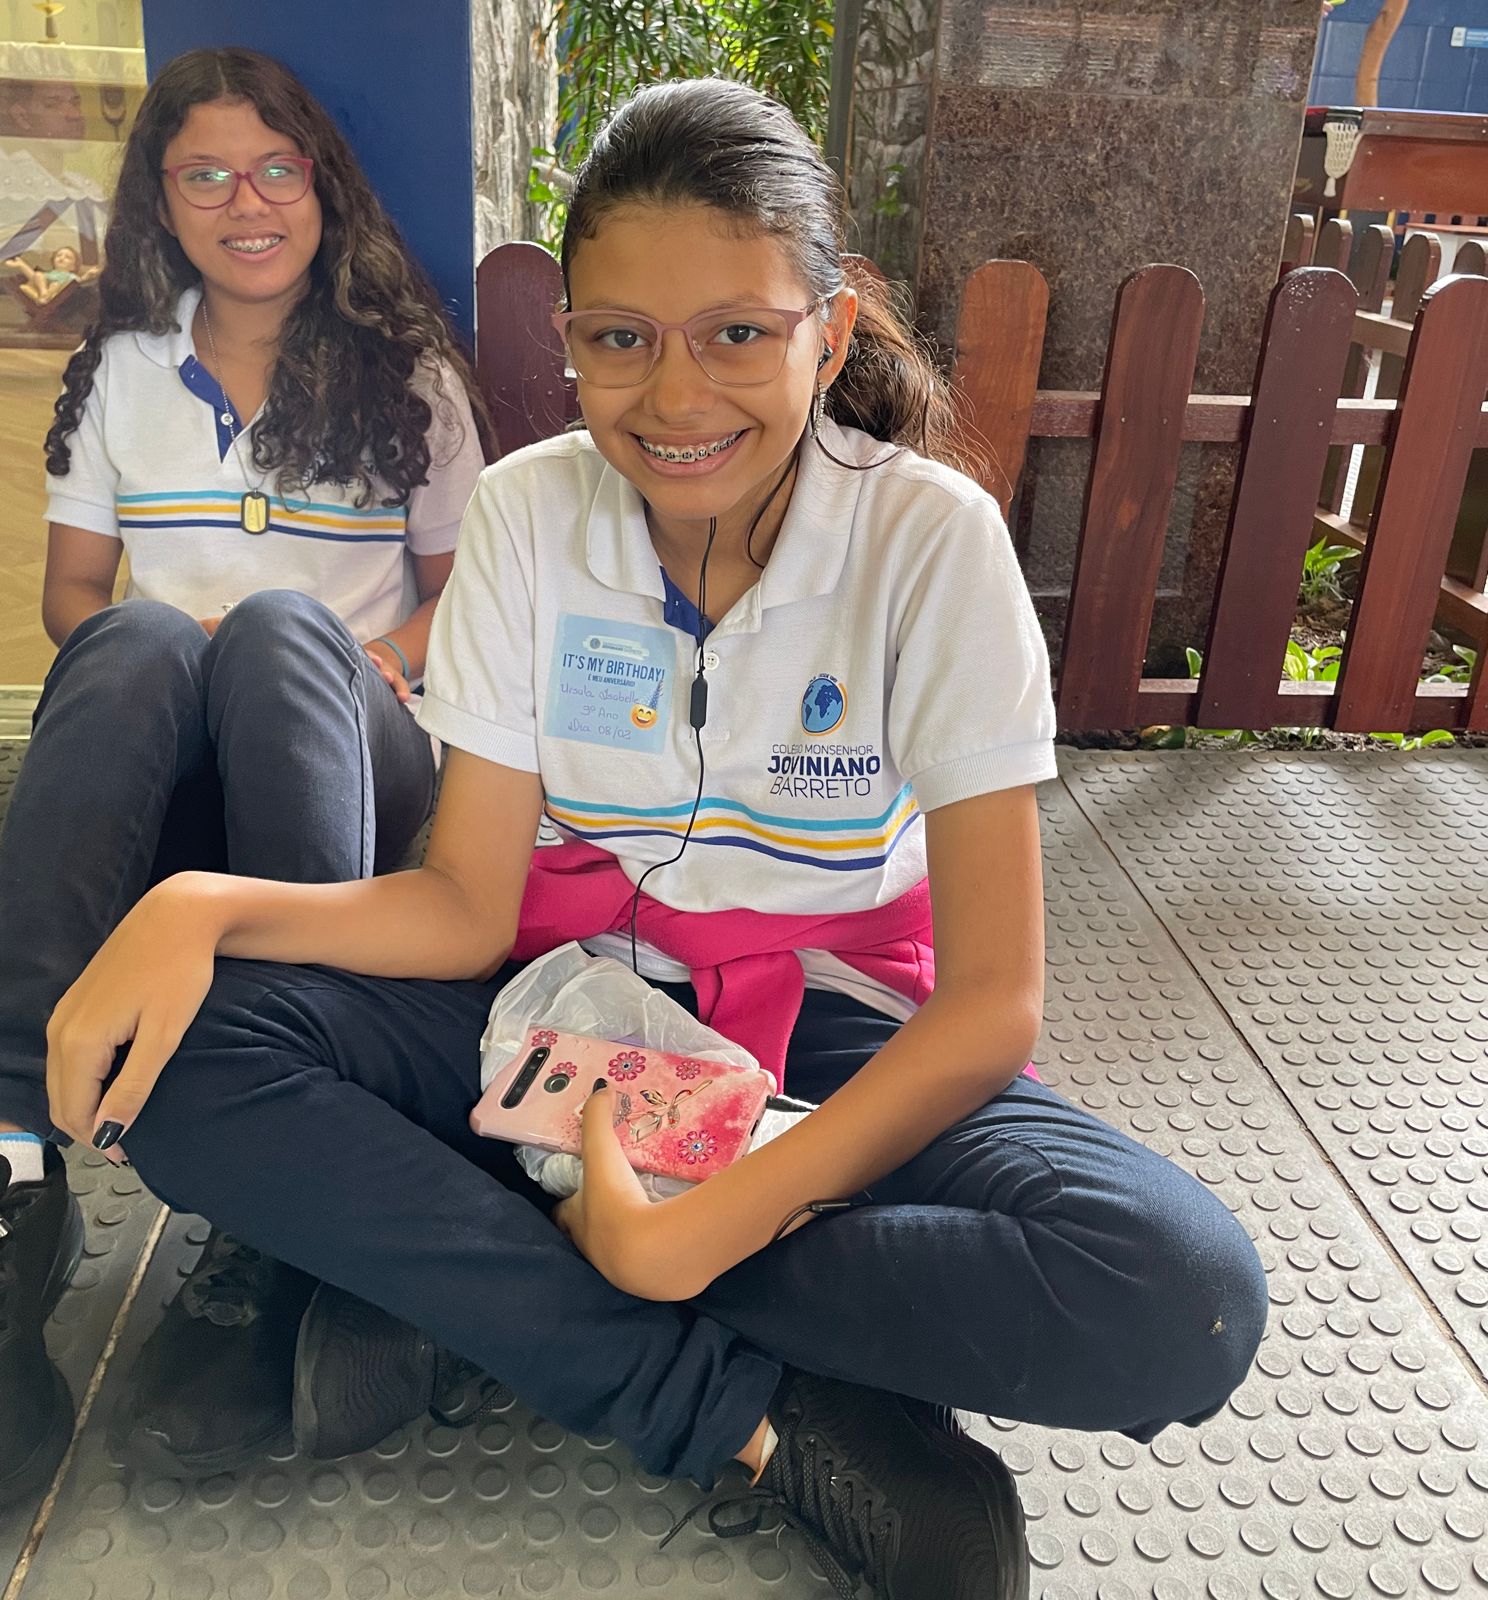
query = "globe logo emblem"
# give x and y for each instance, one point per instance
(823, 705)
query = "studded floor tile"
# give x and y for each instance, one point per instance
(118, 1214)
(1336, 905)
(509, 1506)
(1353, 1462)
(1354, 1459)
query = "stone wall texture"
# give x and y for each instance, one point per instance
(1092, 137)
(890, 128)
(514, 103)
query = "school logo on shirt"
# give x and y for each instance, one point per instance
(824, 705)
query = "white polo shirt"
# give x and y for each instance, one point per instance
(152, 465)
(887, 662)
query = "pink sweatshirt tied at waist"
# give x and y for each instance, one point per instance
(743, 963)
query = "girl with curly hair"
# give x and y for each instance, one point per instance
(271, 419)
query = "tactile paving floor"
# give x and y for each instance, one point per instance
(1337, 906)
(509, 1506)
(1352, 1462)
(118, 1214)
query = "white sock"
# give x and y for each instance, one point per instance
(24, 1152)
(772, 1439)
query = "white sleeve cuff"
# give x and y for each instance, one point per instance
(1009, 767)
(455, 726)
(84, 514)
(434, 541)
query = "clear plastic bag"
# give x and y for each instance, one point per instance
(571, 991)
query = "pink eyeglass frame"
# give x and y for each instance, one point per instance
(792, 318)
(305, 163)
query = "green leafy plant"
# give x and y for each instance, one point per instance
(1163, 737)
(1302, 665)
(1321, 566)
(1467, 660)
(607, 48)
(1415, 741)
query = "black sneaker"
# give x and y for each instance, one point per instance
(210, 1390)
(887, 1491)
(361, 1374)
(41, 1238)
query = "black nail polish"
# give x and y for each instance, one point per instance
(599, 1083)
(108, 1134)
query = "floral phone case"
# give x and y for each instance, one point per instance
(678, 1117)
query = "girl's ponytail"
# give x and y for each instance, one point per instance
(889, 387)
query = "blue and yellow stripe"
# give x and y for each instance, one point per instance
(839, 844)
(301, 519)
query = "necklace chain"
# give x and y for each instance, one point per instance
(227, 405)
(253, 508)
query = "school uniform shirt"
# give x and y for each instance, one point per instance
(153, 465)
(887, 662)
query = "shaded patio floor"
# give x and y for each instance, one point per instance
(1272, 967)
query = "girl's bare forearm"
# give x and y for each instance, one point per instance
(417, 924)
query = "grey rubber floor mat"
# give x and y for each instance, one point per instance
(508, 1506)
(1337, 906)
(118, 1214)
(1352, 1462)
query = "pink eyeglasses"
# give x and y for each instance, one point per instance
(740, 345)
(278, 181)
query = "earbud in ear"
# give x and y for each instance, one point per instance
(826, 356)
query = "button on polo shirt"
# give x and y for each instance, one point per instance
(887, 662)
(153, 465)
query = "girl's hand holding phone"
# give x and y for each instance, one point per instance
(145, 985)
(624, 1234)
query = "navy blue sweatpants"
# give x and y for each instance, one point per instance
(272, 749)
(1032, 1262)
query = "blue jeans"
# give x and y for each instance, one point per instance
(273, 749)
(1032, 1262)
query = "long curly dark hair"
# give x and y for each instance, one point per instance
(341, 406)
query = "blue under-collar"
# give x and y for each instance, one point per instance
(679, 611)
(205, 387)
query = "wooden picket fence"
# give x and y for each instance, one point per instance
(1292, 431)
(1388, 334)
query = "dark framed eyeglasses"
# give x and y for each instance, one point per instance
(207, 185)
(739, 345)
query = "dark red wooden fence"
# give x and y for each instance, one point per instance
(1294, 430)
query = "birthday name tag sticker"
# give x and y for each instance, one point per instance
(610, 683)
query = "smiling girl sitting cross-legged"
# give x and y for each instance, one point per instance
(841, 709)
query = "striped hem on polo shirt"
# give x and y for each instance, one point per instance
(840, 844)
(301, 519)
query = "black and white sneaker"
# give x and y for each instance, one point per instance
(362, 1373)
(41, 1238)
(887, 1491)
(210, 1390)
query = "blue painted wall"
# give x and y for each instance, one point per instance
(396, 77)
(1422, 69)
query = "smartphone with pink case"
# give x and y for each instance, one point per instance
(677, 1117)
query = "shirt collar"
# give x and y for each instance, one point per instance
(809, 553)
(172, 348)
